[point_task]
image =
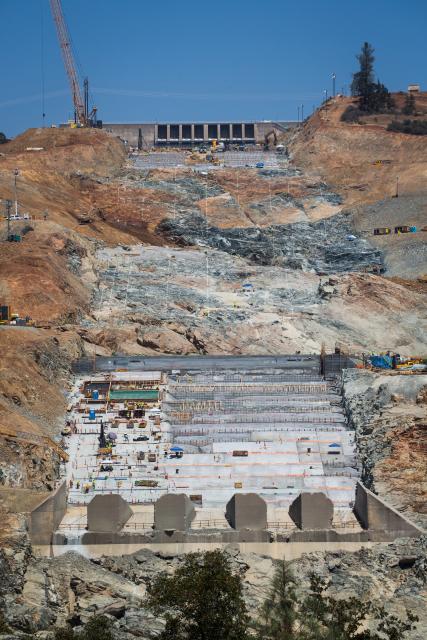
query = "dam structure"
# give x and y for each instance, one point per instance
(176, 134)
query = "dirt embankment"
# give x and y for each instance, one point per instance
(54, 166)
(34, 368)
(362, 161)
(42, 276)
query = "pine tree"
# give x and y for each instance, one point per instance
(374, 97)
(363, 84)
(409, 106)
(279, 612)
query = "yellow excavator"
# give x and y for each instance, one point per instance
(267, 143)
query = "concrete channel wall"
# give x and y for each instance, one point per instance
(376, 515)
(45, 518)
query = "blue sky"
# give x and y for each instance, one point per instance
(198, 60)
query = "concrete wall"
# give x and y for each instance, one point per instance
(130, 132)
(312, 511)
(247, 511)
(177, 133)
(107, 513)
(173, 512)
(376, 515)
(45, 518)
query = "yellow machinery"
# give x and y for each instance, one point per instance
(7, 317)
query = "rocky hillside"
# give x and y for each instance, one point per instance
(389, 415)
(71, 588)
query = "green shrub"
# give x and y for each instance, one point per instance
(202, 600)
(413, 127)
(352, 114)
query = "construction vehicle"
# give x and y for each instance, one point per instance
(5, 314)
(398, 363)
(382, 231)
(82, 116)
(405, 229)
(267, 137)
(7, 317)
(217, 146)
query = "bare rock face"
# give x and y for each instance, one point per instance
(72, 588)
(165, 340)
(388, 415)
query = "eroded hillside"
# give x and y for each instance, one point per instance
(155, 261)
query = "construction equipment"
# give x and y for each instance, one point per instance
(405, 229)
(398, 363)
(82, 116)
(7, 317)
(267, 137)
(5, 314)
(382, 231)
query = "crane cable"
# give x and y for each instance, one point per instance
(42, 62)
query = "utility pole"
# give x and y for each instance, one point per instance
(333, 84)
(16, 174)
(302, 113)
(8, 204)
(298, 113)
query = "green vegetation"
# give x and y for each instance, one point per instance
(352, 114)
(201, 601)
(373, 96)
(414, 127)
(3, 138)
(318, 616)
(97, 628)
(4, 628)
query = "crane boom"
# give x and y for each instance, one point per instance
(67, 54)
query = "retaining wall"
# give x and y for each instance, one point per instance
(45, 518)
(377, 516)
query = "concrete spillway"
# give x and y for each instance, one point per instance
(272, 432)
(266, 428)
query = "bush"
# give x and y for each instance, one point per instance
(414, 127)
(202, 600)
(318, 616)
(352, 114)
(97, 628)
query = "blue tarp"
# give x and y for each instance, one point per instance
(382, 362)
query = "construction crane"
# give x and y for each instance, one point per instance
(82, 117)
